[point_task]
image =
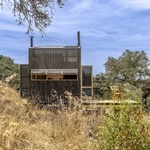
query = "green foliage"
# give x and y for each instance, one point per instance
(131, 67)
(36, 13)
(101, 86)
(131, 92)
(125, 130)
(8, 68)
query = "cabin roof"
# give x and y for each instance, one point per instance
(54, 46)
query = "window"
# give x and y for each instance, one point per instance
(38, 77)
(54, 74)
(87, 86)
(86, 76)
(72, 59)
(71, 56)
(54, 77)
(70, 77)
(87, 91)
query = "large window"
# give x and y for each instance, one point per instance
(87, 86)
(86, 76)
(54, 74)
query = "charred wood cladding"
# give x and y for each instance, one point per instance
(54, 67)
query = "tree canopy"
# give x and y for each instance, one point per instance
(132, 67)
(101, 86)
(8, 68)
(36, 13)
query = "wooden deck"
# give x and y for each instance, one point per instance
(108, 106)
(109, 102)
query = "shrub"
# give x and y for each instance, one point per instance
(131, 92)
(124, 131)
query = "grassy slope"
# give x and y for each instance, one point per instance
(25, 127)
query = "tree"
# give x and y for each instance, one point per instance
(8, 68)
(36, 13)
(101, 86)
(131, 67)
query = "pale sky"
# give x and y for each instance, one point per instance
(107, 28)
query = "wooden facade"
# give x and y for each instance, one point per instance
(24, 80)
(51, 67)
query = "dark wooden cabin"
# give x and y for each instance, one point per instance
(54, 67)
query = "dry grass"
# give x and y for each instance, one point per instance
(26, 127)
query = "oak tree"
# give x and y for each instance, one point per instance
(131, 67)
(36, 13)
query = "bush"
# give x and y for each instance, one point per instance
(124, 131)
(131, 92)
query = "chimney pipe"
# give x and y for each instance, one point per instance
(79, 43)
(31, 41)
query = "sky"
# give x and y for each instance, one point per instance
(107, 28)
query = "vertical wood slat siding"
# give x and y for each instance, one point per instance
(24, 80)
(42, 90)
(53, 58)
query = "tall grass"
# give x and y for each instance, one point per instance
(25, 127)
(39, 129)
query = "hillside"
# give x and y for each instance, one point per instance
(23, 126)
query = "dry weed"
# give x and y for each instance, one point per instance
(25, 128)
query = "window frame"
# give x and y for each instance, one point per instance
(57, 76)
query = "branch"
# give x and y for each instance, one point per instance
(37, 14)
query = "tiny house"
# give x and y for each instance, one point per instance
(55, 67)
